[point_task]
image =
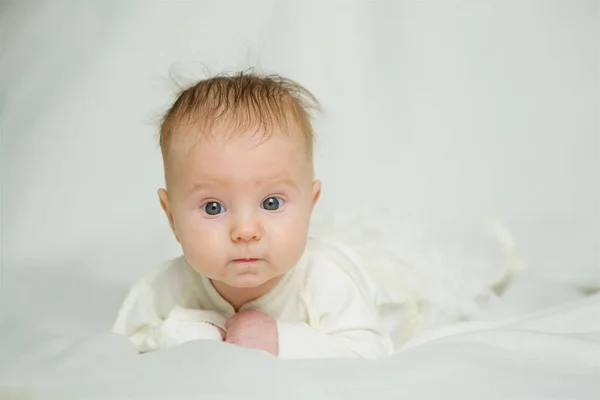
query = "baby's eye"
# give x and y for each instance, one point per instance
(213, 208)
(272, 203)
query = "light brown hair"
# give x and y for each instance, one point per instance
(239, 103)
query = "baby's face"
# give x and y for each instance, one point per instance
(241, 207)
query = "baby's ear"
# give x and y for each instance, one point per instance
(316, 191)
(163, 196)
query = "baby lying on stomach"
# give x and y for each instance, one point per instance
(240, 191)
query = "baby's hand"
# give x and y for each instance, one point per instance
(253, 329)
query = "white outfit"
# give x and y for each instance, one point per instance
(326, 306)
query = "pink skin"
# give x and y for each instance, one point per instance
(244, 248)
(253, 329)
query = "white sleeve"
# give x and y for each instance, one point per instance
(342, 322)
(153, 318)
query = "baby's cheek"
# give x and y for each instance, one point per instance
(202, 243)
(290, 244)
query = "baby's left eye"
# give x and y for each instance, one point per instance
(272, 203)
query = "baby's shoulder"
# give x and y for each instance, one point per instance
(332, 261)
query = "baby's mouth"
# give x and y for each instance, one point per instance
(246, 260)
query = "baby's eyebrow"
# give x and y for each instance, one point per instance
(203, 185)
(270, 181)
(280, 181)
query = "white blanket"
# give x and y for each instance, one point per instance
(539, 339)
(551, 354)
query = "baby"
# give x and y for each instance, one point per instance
(240, 191)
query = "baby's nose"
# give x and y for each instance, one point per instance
(246, 229)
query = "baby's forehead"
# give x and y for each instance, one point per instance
(225, 139)
(246, 156)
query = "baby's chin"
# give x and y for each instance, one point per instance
(250, 280)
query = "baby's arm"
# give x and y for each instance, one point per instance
(345, 328)
(342, 321)
(154, 314)
(180, 326)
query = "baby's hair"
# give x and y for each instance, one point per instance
(239, 103)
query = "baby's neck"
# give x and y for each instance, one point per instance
(237, 297)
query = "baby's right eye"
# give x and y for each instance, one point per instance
(213, 208)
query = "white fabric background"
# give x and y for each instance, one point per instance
(453, 107)
(456, 109)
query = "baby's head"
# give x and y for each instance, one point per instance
(237, 153)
